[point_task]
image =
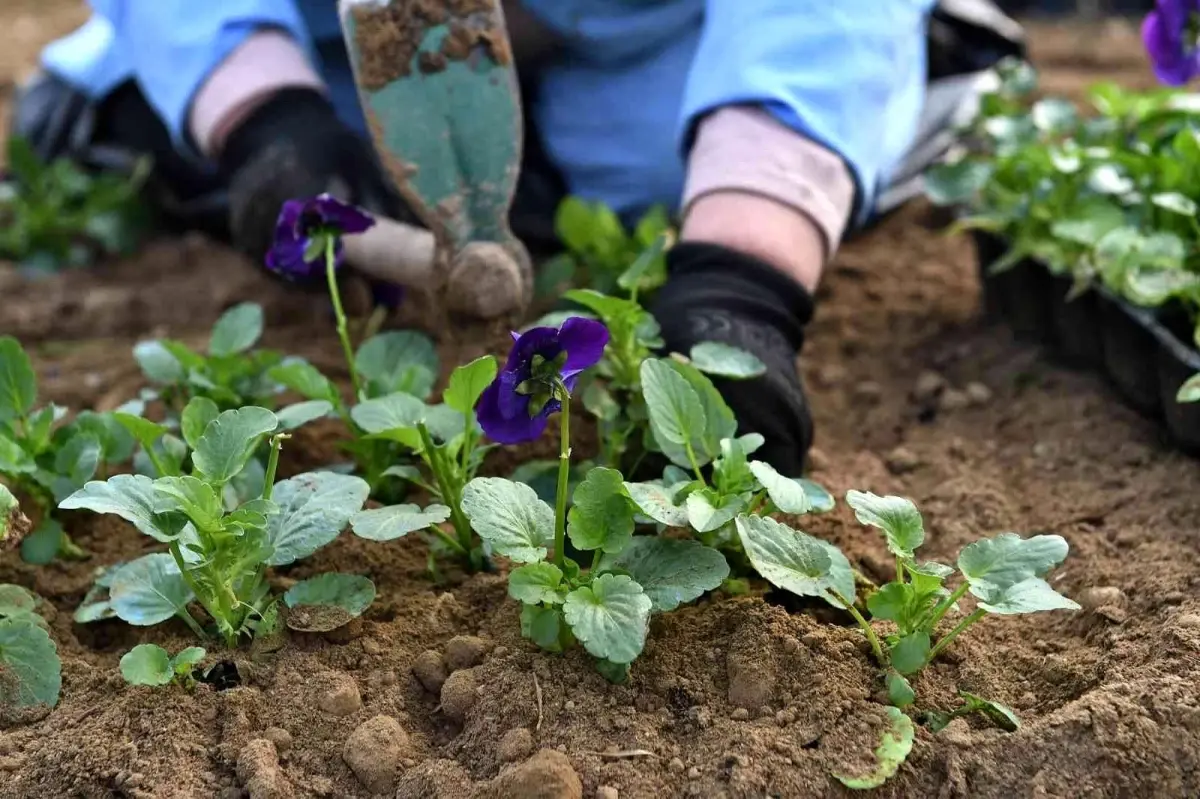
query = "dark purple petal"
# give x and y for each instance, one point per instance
(509, 429)
(1165, 34)
(584, 340)
(334, 213)
(287, 258)
(534, 341)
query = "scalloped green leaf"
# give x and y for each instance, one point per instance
(601, 516)
(149, 590)
(895, 743)
(327, 601)
(897, 517)
(314, 508)
(509, 517)
(609, 617)
(229, 442)
(237, 330)
(671, 572)
(33, 671)
(396, 521)
(147, 664)
(795, 561)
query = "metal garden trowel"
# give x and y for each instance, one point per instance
(439, 92)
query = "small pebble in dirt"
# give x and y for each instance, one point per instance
(516, 744)
(258, 771)
(458, 694)
(978, 394)
(929, 384)
(1188, 621)
(818, 461)
(676, 765)
(1101, 596)
(430, 671)
(790, 645)
(740, 714)
(902, 460)
(280, 737)
(868, 392)
(953, 400)
(370, 646)
(607, 792)
(341, 698)
(374, 751)
(569, 704)
(546, 775)
(466, 651)
(693, 773)
(785, 717)
(766, 711)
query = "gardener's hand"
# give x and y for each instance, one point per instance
(718, 294)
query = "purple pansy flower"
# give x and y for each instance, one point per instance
(518, 403)
(1170, 33)
(303, 228)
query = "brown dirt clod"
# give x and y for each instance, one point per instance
(341, 696)
(430, 670)
(258, 771)
(374, 751)
(466, 651)
(459, 694)
(546, 775)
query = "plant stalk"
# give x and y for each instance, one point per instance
(872, 638)
(339, 314)
(944, 607)
(950, 636)
(446, 487)
(273, 464)
(564, 476)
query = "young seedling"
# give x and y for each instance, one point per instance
(447, 441)
(28, 657)
(219, 547)
(605, 607)
(55, 216)
(712, 479)
(395, 362)
(44, 460)
(150, 664)
(601, 255)
(231, 372)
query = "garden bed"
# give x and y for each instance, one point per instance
(912, 395)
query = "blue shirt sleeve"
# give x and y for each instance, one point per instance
(171, 46)
(849, 74)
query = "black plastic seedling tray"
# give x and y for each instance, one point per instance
(1146, 353)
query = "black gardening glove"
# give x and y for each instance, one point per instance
(294, 147)
(714, 293)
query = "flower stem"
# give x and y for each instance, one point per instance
(564, 474)
(447, 487)
(950, 636)
(273, 463)
(872, 638)
(340, 315)
(448, 539)
(940, 611)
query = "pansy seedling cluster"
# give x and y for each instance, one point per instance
(43, 458)
(220, 546)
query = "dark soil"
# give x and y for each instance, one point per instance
(435, 694)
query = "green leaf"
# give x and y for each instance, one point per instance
(1054, 115)
(75, 464)
(615, 673)
(149, 590)
(677, 417)
(509, 517)
(1000, 715)
(327, 601)
(648, 270)
(707, 512)
(891, 602)
(187, 660)
(313, 509)
(18, 383)
(896, 516)
(601, 516)
(398, 360)
(671, 572)
(193, 497)
(900, 693)
(819, 499)
(32, 670)
(655, 501)
(607, 308)
(720, 422)
(96, 605)
(157, 363)
(230, 440)
(790, 496)
(302, 413)
(305, 379)
(894, 746)
(147, 664)
(543, 625)
(14, 459)
(396, 411)
(910, 653)
(197, 415)
(794, 561)
(468, 382)
(724, 360)
(1190, 390)
(145, 431)
(957, 183)
(130, 496)
(1005, 573)
(43, 544)
(396, 521)
(536, 582)
(609, 617)
(1175, 202)
(15, 600)
(573, 224)
(237, 330)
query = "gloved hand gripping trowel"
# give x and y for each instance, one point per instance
(439, 92)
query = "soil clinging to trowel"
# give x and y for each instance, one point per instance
(388, 37)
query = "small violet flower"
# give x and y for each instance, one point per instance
(1171, 34)
(544, 363)
(303, 230)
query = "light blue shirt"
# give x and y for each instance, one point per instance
(617, 109)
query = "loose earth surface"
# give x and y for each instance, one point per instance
(435, 694)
